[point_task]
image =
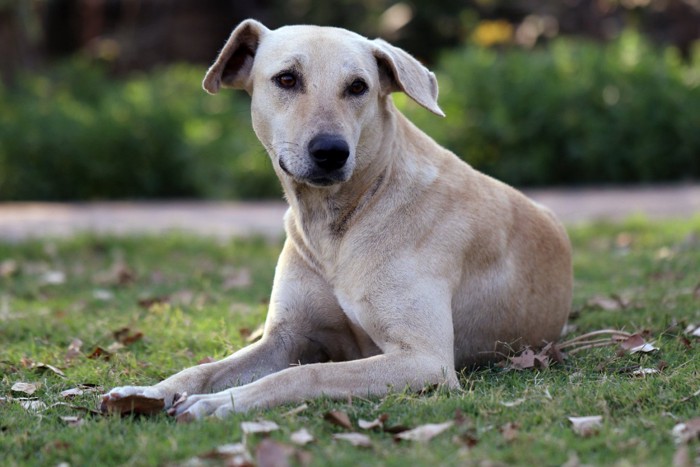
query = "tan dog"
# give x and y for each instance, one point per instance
(402, 263)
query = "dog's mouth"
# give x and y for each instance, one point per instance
(316, 179)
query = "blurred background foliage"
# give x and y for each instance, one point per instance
(101, 99)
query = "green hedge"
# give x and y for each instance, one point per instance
(574, 112)
(77, 134)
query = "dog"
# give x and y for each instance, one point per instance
(402, 264)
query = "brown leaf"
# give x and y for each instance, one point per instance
(26, 388)
(554, 353)
(467, 439)
(681, 458)
(262, 426)
(150, 301)
(636, 343)
(510, 431)
(425, 432)
(270, 453)
(206, 360)
(99, 352)
(126, 337)
(73, 349)
(525, 360)
(135, 404)
(339, 418)
(356, 439)
(586, 426)
(8, 268)
(256, 334)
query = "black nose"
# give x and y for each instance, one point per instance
(329, 152)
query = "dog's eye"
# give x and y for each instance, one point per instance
(286, 80)
(357, 88)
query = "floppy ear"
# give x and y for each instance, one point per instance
(235, 61)
(399, 71)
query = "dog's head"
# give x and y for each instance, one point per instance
(319, 94)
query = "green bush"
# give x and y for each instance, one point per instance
(77, 134)
(575, 112)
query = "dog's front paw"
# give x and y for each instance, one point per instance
(200, 406)
(136, 399)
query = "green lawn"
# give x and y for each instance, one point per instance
(192, 298)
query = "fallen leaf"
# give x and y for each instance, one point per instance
(301, 437)
(636, 343)
(115, 347)
(468, 438)
(102, 295)
(71, 420)
(586, 426)
(681, 458)
(80, 390)
(26, 388)
(231, 454)
(425, 432)
(135, 404)
(262, 426)
(99, 352)
(126, 337)
(513, 403)
(206, 360)
(339, 418)
(273, 454)
(295, 410)
(356, 439)
(32, 405)
(523, 361)
(53, 369)
(53, 278)
(256, 334)
(605, 303)
(687, 431)
(509, 431)
(376, 423)
(73, 349)
(150, 301)
(641, 372)
(8, 268)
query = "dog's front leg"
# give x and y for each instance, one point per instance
(297, 330)
(368, 377)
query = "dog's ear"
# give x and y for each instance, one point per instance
(399, 71)
(235, 61)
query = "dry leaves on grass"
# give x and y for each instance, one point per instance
(510, 431)
(424, 433)
(586, 426)
(301, 437)
(261, 426)
(25, 388)
(87, 388)
(356, 439)
(228, 454)
(339, 418)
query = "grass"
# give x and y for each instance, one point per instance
(52, 292)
